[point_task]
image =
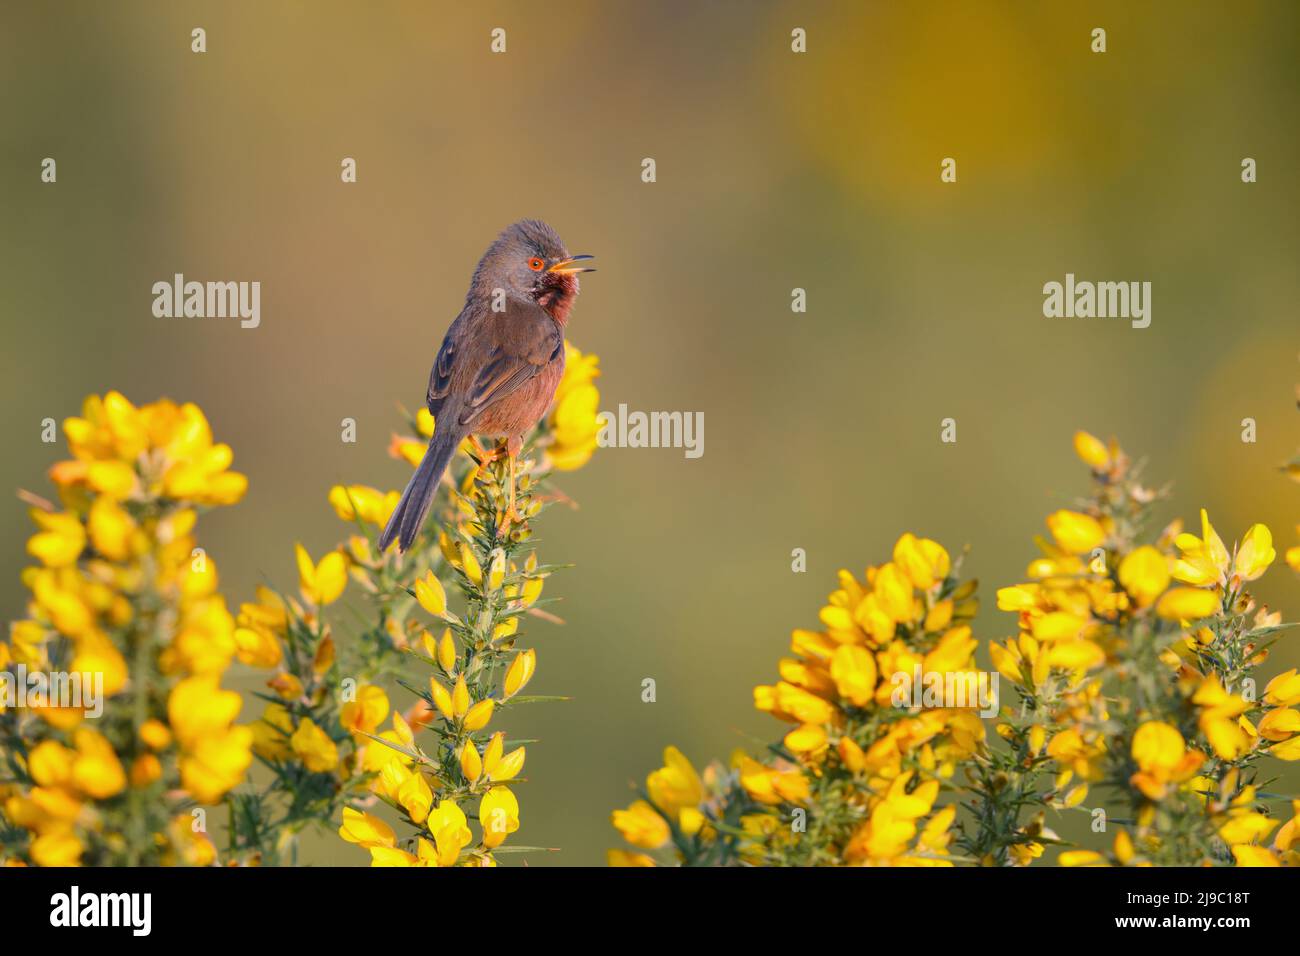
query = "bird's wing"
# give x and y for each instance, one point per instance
(515, 346)
(444, 365)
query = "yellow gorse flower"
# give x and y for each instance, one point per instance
(1130, 659)
(1092, 451)
(1187, 604)
(321, 582)
(1144, 573)
(1255, 554)
(367, 711)
(353, 502)
(122, 591)
(642, 825)
(117, 569)
(1162, 758)
(314, 747)
(520, 672)
(498, 812)
(574, 421)
(1205, 560)
(431, 595)
(675, 785)
(904, 617)
(1075, 532)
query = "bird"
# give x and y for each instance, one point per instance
(500, 362)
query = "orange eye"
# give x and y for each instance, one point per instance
(535, 264)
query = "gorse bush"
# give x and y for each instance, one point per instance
(123, 591)
(1134, 694)
(1134, 700)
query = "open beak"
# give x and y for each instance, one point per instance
(565, 266)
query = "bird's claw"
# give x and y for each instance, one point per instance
(485, 456)
(510, 516)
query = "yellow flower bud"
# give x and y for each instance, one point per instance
(508, 767)
(520, 672)
(460, 698)
(494, 751)
(447, 548)
(365, 829)
(1057, 626)
(447, 652)
(1091, 450)
(324, 658)
(1187, 604)
(1280, 724)
(939, 616)
(402, 729)
(110, 529)
(442, 699)
(50, 763)
(1041, 669)
(1123, 847)
(1006, 660)
(57, 848)
(1284, 689)
(314, 747)
(1037, 737)
(532, 591)
(1144, 574)
(155, 734)
(115, 479)
(359, 548)
(478, 716)
(431, 595)
(471, 765)
(642, 825)
(469, 564)
(852, 755)
(145, 770)
(1075, 532)
(497, 571)
(1076, 796)
(96, 770)
(807, 738)
(690, 820)
(853, 670)
(415, 797)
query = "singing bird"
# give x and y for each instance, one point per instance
(499, 364)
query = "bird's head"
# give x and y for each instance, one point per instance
(529, 262)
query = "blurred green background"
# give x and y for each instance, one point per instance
(775, 171)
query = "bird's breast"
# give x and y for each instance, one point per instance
(518, 412)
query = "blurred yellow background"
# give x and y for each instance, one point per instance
(775, 171)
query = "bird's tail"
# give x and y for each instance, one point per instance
(409, 515)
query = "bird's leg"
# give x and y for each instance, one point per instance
(513, 446)
(484, 456)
